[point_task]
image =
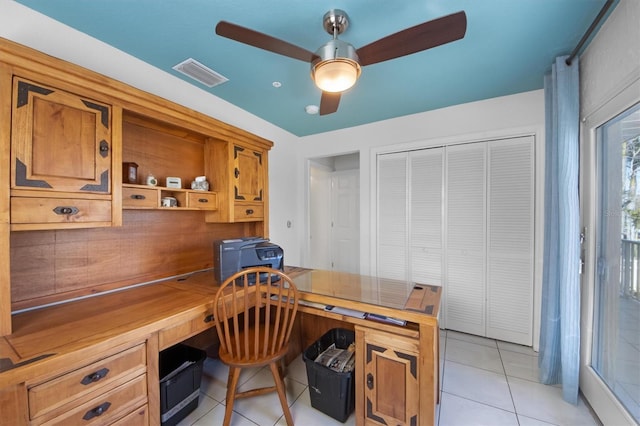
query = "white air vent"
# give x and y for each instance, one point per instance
(199, 72)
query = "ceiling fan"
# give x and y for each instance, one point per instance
(336, 65)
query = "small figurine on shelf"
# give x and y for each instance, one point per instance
(151, 180)
(200, 184)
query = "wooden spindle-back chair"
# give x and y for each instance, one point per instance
(254, 312)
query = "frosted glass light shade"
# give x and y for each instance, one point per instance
(336, 75)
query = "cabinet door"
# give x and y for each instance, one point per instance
(60, 141)
(248, 174)
(391, 378)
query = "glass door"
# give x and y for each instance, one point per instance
(615, 348)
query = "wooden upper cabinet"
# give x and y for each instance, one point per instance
(60, 141)
(248, 174)
(239, 172)
(61, 159)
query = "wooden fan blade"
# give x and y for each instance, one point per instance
(262, 41)
(329, 103)
(415, 39)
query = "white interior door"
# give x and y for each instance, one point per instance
(319, 217)
(345, 230)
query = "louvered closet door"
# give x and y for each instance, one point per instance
(392, 216)
(465, 284)
(425, 231)
(510, 240)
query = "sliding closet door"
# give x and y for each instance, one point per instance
(465, 285)
(510, 240)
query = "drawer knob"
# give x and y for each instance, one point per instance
(98, 411)
(208, 318)
(94, 377)
(249, 211)
(138, 197)
(65, 210)
(203, 200)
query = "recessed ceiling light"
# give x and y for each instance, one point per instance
(276, 84)
(311, 109)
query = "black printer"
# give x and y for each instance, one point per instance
(233, 255)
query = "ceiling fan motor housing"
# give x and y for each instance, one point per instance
(335, 21)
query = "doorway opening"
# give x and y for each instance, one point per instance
(334, 213)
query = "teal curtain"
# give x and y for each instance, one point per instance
(559, 357)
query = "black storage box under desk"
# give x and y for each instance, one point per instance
(330, 391)
(180, 376)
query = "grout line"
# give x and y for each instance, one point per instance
(506, 378)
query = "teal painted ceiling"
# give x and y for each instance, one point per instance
(508, 46)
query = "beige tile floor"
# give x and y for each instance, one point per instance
(484, 382)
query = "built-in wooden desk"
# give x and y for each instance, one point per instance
(53, 349)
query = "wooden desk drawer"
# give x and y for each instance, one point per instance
(248, 212)
(87, 381)
(179, 332)
(140, 197)
(139, 417)
(106, 408)
(59, 210)
(203, 201)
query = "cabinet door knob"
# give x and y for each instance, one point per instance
(236, 173)
(95, 376)
(104, 148)
(98, 411)
(370, 381)
(138, 197)
(66, 210)
(249, 211)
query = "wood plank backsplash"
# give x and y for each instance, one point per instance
(51, 266)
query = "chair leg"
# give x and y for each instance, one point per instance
(281, 392)
(232, 383)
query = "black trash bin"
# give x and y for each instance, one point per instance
(330, 391)
(180, 376)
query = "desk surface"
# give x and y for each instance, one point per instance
(401, 296)
(44, 334)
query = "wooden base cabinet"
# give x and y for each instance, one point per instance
(102, 392)
(387, 378)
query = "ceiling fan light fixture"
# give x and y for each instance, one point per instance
(336, 75)
(336, 67)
